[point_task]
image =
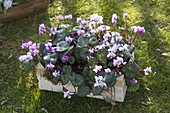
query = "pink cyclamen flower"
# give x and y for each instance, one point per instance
(97, 68)
(27, 57)
(107, 70)
(80, 32)
(50, 66)
(99, 82)
(69, 17)
(133, 81)
(79, 20)
(60, 17)
(91, 50)
(55, 49)
(114, 18)
(56, 73)
(147, 70)
(65, 58)
(125, 15)
(67, 94)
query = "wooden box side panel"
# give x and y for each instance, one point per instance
(116, 93)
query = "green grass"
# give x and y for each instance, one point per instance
(18, 87)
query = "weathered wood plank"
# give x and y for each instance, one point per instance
(24, 10)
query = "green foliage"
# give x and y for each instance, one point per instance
(51, 58)
(133, 88)
(97, 90)
(83, 91)
(77, 80)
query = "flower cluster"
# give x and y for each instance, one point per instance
(90, 55)
(33, 51)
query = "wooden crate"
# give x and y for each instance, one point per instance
(116, 93)
(24, 10)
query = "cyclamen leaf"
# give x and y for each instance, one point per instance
(83, 91)
(77, 80)
(63, 46)
(64, 79)
(97, 90)
(109, 77)
(67, 69)
(71, 60)
(127, 54)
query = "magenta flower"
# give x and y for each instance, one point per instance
(97, 68)
(91, 50)
(60, 17)
(50, 66)
(83, 23)
(56, 73)
(24, 45)
(65, 58)
(107, 70)
(55, 49)
(54, 30)
(69, 17)
(34, 52)
(99, 82)
(99, 29)
(67, 94)
(117, 62)
(147, 70)
(106, 36)
(133, 81)
(125, 15)
(80, 32)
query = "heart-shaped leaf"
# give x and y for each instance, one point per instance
(77, 80)
(83, 91)
(97, 90)
(133, 88)
(64, 79)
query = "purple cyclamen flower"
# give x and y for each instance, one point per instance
(69, 17)
(114, 19)
(56, 73)
(48, 46)
(114, 48)
(147, 70)
(97, 68)
(99, 82)
(53, 30)
(106, 36)
(34, 52)
(68, 39)
(133, 81)
(111, 55)
(78, 20)
(80, 32)
(83, 23)
(99, 29)
(107, 70)
(55, 49)
(141, 31)
(67, 94)
(135, 28)
(60, 17)
(7, 4)
(50, 66)
(125, 15)
(118, 38)
(34, 46)
(117, 62)
(96, 17)
(42, 29)
(24, 45)
(124, 47)
(27, 57)
(65, 58)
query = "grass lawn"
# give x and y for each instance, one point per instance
(19, 91)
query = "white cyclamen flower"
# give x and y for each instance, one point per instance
(99, 82)
(147, 70)
(8, 4)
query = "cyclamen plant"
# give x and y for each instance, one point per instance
(90, 55)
